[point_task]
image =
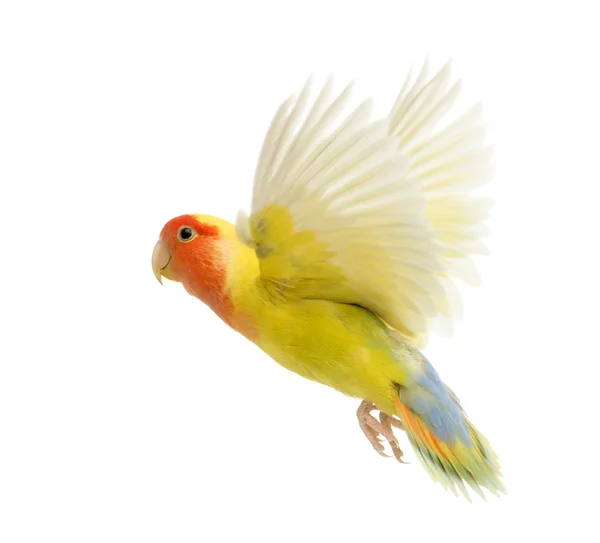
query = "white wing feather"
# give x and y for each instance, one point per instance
(388, 199)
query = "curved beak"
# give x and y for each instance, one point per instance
(161, 256)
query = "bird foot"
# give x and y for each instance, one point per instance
(383, 427)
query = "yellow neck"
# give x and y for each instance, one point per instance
(242, 296)
(244, 288)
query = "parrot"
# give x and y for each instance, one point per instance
(358, 230)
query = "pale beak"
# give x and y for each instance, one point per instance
(161, 256)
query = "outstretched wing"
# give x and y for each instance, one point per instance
(451, 164)
(366, 212)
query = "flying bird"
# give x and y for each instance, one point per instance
(357, 233)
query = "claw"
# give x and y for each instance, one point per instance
(373, 429)
(388, 422)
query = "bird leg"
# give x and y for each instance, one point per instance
(383, 427)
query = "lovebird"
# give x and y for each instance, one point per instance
(359, 228)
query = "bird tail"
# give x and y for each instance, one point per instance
(467, 457)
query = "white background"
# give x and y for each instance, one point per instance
(129, 412)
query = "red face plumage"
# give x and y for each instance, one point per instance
(196, 260)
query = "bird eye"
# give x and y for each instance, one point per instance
(186, 233)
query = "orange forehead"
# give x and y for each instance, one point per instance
(203, 229)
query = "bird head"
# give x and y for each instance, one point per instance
(193, 250)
